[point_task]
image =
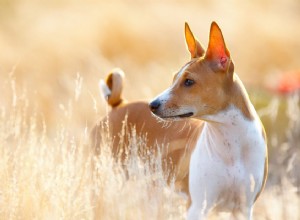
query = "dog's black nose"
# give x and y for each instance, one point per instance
(154, 105)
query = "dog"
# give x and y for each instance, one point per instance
(175, 140)
(228, 167)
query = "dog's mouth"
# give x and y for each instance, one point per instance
(185, 115)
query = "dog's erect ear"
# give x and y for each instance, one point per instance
(217, 51)
(193, 45)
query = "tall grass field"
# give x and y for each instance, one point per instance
(53, 54)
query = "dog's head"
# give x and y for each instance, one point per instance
(203, 85)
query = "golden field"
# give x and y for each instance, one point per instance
(53, 54)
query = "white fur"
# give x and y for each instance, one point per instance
(226, 167)
(183, 69)
(105, 91)
(165, 96)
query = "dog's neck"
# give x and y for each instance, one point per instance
(239, 109)
(230, 130)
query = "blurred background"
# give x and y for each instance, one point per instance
(47, 45)
(54, 52)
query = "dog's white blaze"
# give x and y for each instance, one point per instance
(164, 97)
(228, 163)
(183, 69)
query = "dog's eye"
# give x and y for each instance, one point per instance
(189, 82)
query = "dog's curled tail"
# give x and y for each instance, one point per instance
(112, 87)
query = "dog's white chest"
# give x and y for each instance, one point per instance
(227, 165)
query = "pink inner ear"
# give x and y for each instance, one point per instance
(221, 54)
(223, 61)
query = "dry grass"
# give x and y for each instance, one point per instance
(52, 56)
(60, 177)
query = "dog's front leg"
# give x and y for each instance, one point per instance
(196, 213)
(201, 206)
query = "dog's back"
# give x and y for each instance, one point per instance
(176, 140)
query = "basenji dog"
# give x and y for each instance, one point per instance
(175, 141)
(228, 167)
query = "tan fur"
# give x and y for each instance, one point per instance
(114, 81)
(176, 140)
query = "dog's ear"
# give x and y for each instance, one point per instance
(193, 44)
(217, 51)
